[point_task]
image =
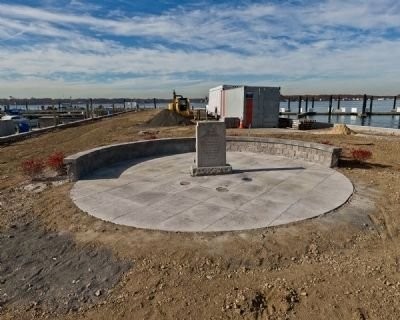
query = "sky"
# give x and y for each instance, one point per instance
(135, 48)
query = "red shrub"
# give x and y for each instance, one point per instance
(326, 142)
(56, 161)
(33, 167)
(361, 154)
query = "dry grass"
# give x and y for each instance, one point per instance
(122, 128)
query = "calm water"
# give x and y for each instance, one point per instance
(391, 121)
(373, 121)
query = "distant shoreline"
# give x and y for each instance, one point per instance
(77, 101)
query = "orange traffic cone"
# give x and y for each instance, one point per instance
(241, 124)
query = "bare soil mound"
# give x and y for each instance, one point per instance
(342, 129)
(167, 118)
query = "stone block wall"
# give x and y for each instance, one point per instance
(82, 163)
(313, 152)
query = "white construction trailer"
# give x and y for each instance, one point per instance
(256, 107)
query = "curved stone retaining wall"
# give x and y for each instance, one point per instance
(309, 151)
(82, 163)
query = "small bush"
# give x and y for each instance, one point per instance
(56, 161)
(33, 167)
(361, 154)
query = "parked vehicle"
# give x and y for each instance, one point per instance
(180, 105)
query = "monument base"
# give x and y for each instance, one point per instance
(210, 171)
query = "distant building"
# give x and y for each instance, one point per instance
(257, 107)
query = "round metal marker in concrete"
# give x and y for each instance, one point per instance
(263, 191)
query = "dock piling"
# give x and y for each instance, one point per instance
(288, 104)
(87, 110)
(364, 106)
(338, 102)
(312, 103)
(330, 105)
(370, 104)
(306, 104)
(299, 105)
(394, 103)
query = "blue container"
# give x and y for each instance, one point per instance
(23, 127)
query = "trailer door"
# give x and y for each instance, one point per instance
(248, 110)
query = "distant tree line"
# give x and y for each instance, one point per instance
(56, 101)
(51, 101)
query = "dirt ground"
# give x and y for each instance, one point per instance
(58, 262)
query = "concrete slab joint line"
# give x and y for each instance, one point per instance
(315, 189)
(158, 193)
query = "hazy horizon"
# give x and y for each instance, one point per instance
(63, 48)
(22, 100)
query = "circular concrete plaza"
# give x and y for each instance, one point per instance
(160, 194)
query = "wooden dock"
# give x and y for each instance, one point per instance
(339, 113)
(335, 110)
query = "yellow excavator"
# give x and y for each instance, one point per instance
(180, 105)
